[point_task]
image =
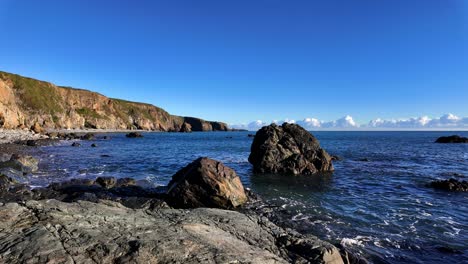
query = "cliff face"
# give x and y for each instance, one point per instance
(25, 102)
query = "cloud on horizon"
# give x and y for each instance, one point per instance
(448, 121)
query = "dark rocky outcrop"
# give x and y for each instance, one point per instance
(106, 182)
(288, 149)
(206, 183)
(134, 135)
(452, 139)
(450, 185)
(76, 144)
(88, 136)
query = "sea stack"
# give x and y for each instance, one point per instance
(288, 149)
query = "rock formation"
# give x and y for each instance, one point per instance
(25, 102)
(450, 185)
(134, 135)
(50, 231)
(288, 149)
(206, 183)
(452, 139)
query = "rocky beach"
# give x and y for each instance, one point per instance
(204, 215)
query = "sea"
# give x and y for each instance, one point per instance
(376, 202)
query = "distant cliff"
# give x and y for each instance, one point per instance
(25, 102)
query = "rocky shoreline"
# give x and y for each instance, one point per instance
(110, 220)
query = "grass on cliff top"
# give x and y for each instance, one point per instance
(35, 95)
(89, 113)
(140, 109)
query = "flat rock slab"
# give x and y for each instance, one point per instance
(50, 231)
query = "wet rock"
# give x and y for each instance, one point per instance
(22, 163)
(5, 183)
(32, 143)
(452, 139)
(450, 185)
(448, 250)
(88, 136)
(335, 157)
(288, 149)
(134, 135)
(124, 182)
(206, 183)
(106, 182)
(93, 145)
(251, 135)
(364, 160)
(107, 232)
(76, 144)
(105, 156)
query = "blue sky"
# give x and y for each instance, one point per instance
(238, 61)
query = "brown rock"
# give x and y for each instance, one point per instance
(186, 127)
(206, 183)
(37, 128)
(288, 149)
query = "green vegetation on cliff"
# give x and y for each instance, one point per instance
(32, 101)
(35, 95)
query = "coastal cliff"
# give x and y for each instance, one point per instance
(26, 102)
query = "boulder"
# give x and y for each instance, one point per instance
(134, 135)
(76, 144)
(5, 183)
(452, 139)
(24, 164)
(37, 128)
(450, 185)
(106, 182)
(31, 143)
(288, 149)
(93, 145)
(206, 183)
(88, 136)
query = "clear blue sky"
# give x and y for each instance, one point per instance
(237, 61)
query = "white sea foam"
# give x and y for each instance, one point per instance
(350, 242)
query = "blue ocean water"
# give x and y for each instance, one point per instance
(376, 202)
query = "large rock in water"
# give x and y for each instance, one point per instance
(450, 185)
(206, 183)
(289, 149)
(452, 139)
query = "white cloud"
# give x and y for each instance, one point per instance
(424, 122)
(344, 122)
(448, 121)
(310, 123)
